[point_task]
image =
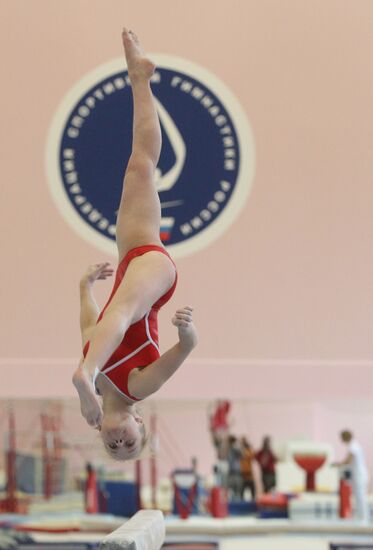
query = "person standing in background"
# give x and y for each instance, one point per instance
(267, 461)
(246, 462)
(234, 471)
(355, 461)
(218, 420)
(219, 429)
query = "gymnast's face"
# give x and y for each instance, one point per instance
(123, 435)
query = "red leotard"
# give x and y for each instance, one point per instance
(139, 347)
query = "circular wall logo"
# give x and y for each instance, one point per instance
(206, 166)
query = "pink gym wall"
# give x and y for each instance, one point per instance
(283, 298)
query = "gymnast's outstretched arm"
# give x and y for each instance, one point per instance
(150, 379)
(89, 310)
(90, 405)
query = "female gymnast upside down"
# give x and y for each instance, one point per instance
(121, 360)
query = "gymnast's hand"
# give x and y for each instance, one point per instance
(92, 411)
(183, 320)
(90, 405)
(97, 271)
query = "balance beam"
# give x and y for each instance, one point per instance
(144, 531)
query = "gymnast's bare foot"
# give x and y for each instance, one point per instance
(139, 66)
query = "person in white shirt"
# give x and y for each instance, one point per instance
(355, 461)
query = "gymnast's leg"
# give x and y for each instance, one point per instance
(139, 213)
(148, 277)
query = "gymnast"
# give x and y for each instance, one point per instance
(121, 363)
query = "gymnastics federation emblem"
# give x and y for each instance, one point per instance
(206, 166)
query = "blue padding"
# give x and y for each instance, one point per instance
(242, 508)
(122, 498)
(273, 514)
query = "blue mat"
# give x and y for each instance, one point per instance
(242, 508)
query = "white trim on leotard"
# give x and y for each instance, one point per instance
(148, 332)
(116, 387)
(126, 357)
(95, 374)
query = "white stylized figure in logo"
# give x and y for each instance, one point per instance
(165, 182)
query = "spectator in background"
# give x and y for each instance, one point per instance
(246, 462)
(222, 465)
(267, 461)
(234, 468)
(219, 429)
(218, 418)
(355, 461)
